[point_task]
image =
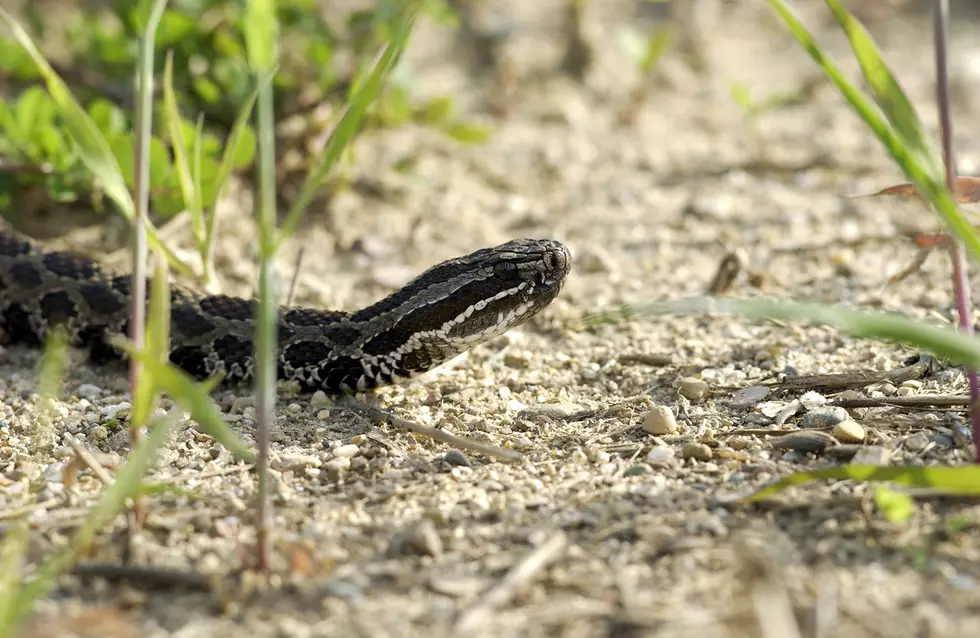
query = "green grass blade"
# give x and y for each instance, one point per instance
(157, 343)
(13, 556)
(887, 91)
(175, 131)
(195, 397)
(50, 379)
(126, 484)
(350, 121)
(932, 188)
(942, 341)
(954, 480)
(261, 34)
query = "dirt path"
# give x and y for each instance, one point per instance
(603, 529)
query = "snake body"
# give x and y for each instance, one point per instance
(446, 310)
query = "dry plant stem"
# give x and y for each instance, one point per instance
(371, 412)
(498, 595)
(89, 461)
(961, 283)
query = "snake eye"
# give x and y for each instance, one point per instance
(505, 270)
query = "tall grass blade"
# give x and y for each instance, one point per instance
(887, 91)
(941, 341)
(260, 39)
(157, 346)
(351, 119)
(953, 480)
(932, 186)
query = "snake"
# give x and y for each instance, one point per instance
(443, 312)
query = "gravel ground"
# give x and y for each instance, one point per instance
(636, 438)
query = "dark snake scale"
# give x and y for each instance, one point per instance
(443, 312)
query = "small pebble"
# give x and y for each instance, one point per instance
(749, 396)
(110, 411)
(455, 457)
(88, 391)
(350, 450)
(98, 433)
(420, 538)
(696, 451)
(660, 456)
(849, 432)
(323, 415)
(826, 417)
(659, 421)
(804, 441)
(917, 442)
(320, 400)
(692, 388)
(638, 469)
(337, 465)
(286, 462)
(871, 455)
(294, 408)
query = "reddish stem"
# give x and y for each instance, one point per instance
(961, 282)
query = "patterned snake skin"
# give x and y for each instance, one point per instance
(446, 310)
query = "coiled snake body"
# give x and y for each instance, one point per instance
(446, 310)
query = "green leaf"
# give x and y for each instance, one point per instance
(107, 116)
(897, 507)
(178, 142)
(123, 149)
(159, 162)
(94, 149)
(174, 27)
(350, 121)
(239, 146)
(923, 176)
(468, 133)
(92, 146)
(953, 480)
(34, 110)
(438, 110)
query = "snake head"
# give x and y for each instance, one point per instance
(460, 303)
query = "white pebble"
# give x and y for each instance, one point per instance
(320, 400)
(849, 432)
(692, 388)
(660, 420)
(349, 450)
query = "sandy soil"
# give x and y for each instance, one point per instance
(603, 529)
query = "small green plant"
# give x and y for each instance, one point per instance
(208, 81)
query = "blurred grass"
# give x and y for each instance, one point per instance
(897, 126)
